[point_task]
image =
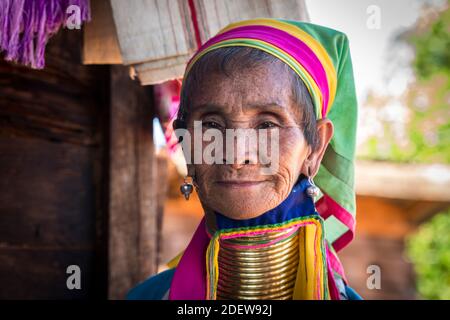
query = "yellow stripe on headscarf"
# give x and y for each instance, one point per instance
(312, 43)
(315, 92)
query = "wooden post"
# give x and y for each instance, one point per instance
(133, 213)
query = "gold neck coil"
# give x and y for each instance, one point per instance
(268, 272)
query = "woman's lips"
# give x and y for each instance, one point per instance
(238, 183)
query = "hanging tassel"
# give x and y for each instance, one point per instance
(27, 45)
(14, 21)
(27, 25)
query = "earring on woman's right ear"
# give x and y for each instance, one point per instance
(186, 188)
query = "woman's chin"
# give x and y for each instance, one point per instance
(239, 205)
(242, 213)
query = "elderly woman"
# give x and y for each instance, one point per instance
(269, 236)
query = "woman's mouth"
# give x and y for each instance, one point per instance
(238, 183)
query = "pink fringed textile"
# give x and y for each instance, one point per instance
(27, 25)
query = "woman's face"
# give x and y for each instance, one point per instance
(260, 98)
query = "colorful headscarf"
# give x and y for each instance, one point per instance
(321, 58)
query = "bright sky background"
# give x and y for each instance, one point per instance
(377, 64)
(369, 47)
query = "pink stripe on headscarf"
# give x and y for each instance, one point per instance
(326, 206)
(334, 291)
(343, 240)
(335, 264)
(286, 42)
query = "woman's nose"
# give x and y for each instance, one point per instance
(238, 165)
(238, 162)
(242, 149)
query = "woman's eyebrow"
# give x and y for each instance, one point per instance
(266, 107)
(208, 107)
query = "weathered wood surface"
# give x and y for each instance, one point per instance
(79, 178)
(51, 192)
(158, 37)
(100, 44)
(216, 14)
(152, 29)
(133, 217)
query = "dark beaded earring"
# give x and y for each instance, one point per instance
(186, 188)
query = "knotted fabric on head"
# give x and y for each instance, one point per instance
(321, 58)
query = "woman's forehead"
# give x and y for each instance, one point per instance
(246, 88)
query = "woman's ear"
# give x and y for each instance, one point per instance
(325, 131)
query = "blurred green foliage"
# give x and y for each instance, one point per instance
(432, 48)
(425, 127)
(432, 67)
(429, 250)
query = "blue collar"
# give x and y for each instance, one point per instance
(297, 204)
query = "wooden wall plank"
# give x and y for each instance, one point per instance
(216, 14)
(47, 194)
(51, 190)
(150, 29)
(133, 200)
(100, 36)
(37, 273)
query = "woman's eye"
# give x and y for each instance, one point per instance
(212, 125)
(266, 125)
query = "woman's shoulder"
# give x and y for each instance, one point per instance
(154, 288)
(352, 294)
(345, 291)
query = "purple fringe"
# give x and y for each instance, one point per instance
(27, 25)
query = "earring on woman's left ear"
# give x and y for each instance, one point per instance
(186, 188)
(312, 191)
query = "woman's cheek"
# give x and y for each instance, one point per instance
(204, 176)
(293, 149)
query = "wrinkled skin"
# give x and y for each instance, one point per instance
(257, 98)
